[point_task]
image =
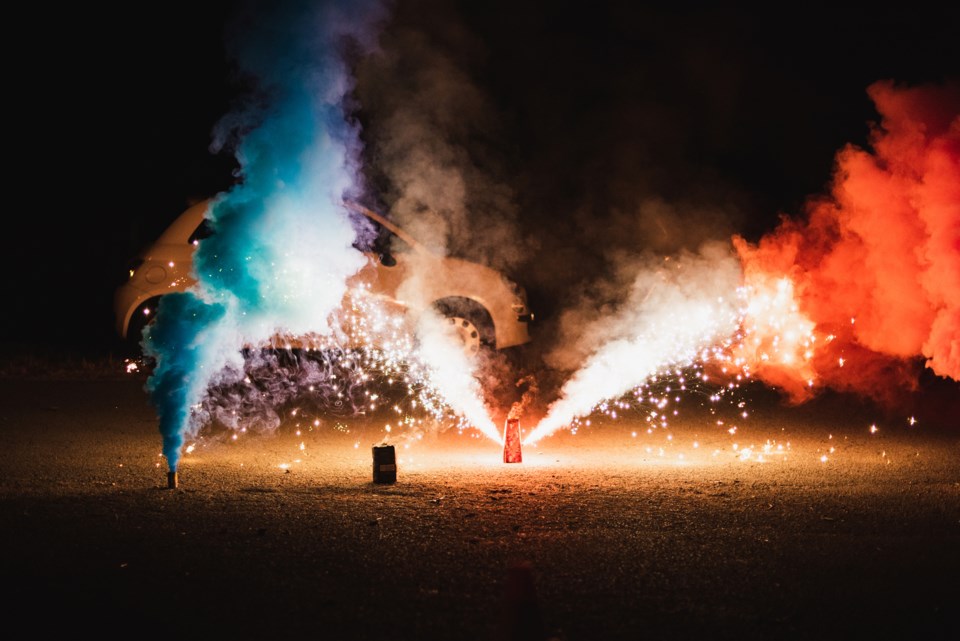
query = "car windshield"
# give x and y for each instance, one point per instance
(203, 230)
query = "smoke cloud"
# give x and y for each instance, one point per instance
(434, 156)
(573, 193)
(676, 310)
(875, 265)
(282, 252)
(432, 138)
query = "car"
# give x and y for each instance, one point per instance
(487, 309)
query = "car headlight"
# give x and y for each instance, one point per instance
(519, 305)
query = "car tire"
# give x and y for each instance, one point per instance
(471, 321)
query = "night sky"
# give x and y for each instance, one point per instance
(582, 113)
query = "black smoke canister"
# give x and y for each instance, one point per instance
(384, 464)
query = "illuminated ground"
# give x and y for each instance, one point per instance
(626, 536)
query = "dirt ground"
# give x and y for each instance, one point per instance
(837, 533)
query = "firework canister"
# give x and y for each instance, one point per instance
(384, 464)
(511, 441)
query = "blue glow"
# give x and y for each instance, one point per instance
(173, 340)
(282, 250)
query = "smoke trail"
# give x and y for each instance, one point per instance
(875, 266)
(527, 397)
(429, 134)
(450, 372)
(675, 311)
(281, 252)
(427, 148)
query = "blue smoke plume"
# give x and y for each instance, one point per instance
(281, 251)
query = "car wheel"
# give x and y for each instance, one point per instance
(470, 322)
(467, 332)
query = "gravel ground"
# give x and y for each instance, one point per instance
(596, 535)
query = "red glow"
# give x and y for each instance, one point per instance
(875, 266)
(511, 441)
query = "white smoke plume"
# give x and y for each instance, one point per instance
(675, 310)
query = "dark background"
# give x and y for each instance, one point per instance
(112, 112)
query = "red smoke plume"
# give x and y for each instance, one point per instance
(875, 266)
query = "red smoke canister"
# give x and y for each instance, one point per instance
(172, 480)
(384, 464)
(511, 441)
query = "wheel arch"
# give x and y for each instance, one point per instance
(138, 319)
